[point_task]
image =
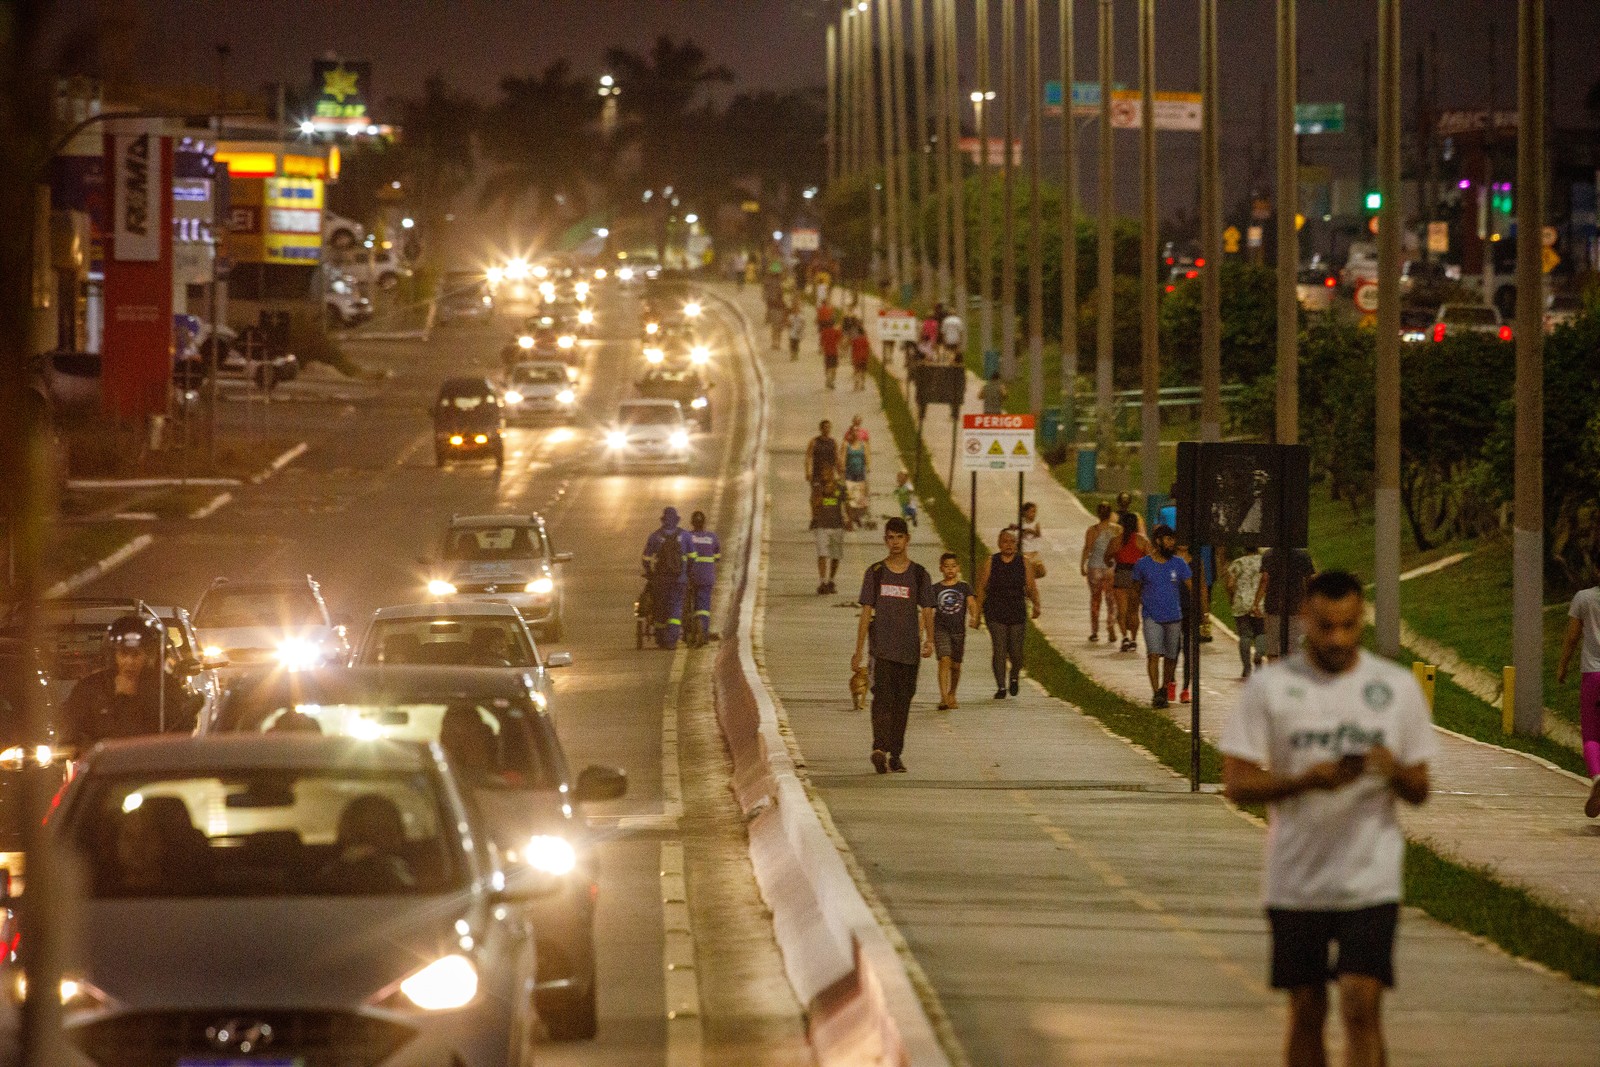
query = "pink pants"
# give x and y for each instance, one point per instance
(1589, 720)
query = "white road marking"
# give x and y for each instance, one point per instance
(205, 511)
(685, 1032)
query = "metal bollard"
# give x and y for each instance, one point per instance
(1425, 673)
(1508, 698)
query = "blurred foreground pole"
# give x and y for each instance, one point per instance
(1288, 239)
(956, 179)
(914, 249)
(1034, 87)
(893, 239)
(1008, 190)
(1386, 499)
(1103, 248)
(871, 159)
(25, 484)
(982, 98)
(941, 173)
(1527, 561)
(1069, 233)
(1210, 231)
(1149, 256)
(833, 102)
(919, 141)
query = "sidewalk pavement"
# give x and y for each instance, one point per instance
(1494, 807)
(1062, 897)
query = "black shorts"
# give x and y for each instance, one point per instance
(1301, 939)
(949, 644)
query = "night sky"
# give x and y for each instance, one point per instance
(779, 44)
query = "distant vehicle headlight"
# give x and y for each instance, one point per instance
(444, 984)
(457, 439)
(488, 301)
(525, 341)
(494, 275)
(542, 585)
(599, 274)
(699, 355)
(616, 439)
(581, 289)
(654, 355)
(652, 327)
(550, 854)
(513, 397)
(692, 309)
(298, 654)
(625, 274)
(698, 402)
(679, 439)
(541, 271)
(516, 269)
(440, 587)
(566, 340)
(480, 438)
(566, 396)
(586, 317)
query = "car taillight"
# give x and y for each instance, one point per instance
(1438, 331)
(1330, 281)
(1505, 333)
(1172, 288)
(1191, 274)
(1200, 262)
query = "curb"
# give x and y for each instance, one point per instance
(146, 483)
(281, 462)
(96, 570)
(860, 1004)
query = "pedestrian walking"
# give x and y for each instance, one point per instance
(896, 627)
(955, 609)
(929, 330)
(827, 524)
(1005, 589)
(666, 553)
(857, 457)
(903, 496)
(993, 395)
(1030, 532)
(822, 454)
(1242, 578)
(953, 335)
(705, 551)
(1328, 739)
(1282, 592)
(1162, 578)
(829, 339)
(1092, 565)
(796, 333)
(1207, 571)
(1583, 628)
(1128, 548)
(860, 357)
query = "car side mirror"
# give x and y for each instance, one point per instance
(562, 557)
(558, 659)
(601, 783)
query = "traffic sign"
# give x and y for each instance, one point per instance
(805, 239)
(1173, 111)
(1318, 118)
(1367, 296)
(895, 324)
(1550, 260)
(997, 443)
(1253, 237)
(1230, 240)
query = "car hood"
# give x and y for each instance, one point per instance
(282, 952)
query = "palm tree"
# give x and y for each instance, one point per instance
(539, 137)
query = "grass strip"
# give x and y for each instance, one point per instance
(1456, 709)
(1464, 896)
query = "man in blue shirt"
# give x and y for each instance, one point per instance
(704, 552)
(665, 554)
(1162, 578)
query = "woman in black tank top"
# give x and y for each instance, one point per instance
(1005, 585)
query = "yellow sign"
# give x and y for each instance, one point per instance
(996, 450)
(1020, 450)
(339, 83)
(1550, 260)
(1230, 240)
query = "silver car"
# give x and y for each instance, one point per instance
(283, 623)
(502, 559)
(290, 899)
(648, 433)
(460, 633)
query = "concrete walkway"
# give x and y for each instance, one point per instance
(1062, 898)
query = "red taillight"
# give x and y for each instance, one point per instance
(1505, 333)
(1200, 262)
(1330, 281)
(1191, 274)
(1172, 288)
(1169, 261)
(1438, 331)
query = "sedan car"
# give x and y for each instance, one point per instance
(539, 388)
(687, 385)
(648, 433)
(500, 740)
(459, 633)
(290, 900)
(1314, 288)
(283, 623)
(468, 421)
(503, 559)
(1469, 318)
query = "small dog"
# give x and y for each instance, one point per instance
(859, 684)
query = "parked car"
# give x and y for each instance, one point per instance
(507, 559)
(1561, 309)
(1469, 318)
(1314, 287)
(269, 623)
(468, 421)
(346, 306)
(1361, 263)
(340, 232)
(382, 267)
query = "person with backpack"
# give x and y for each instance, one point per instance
(896, 629)
(665, 552)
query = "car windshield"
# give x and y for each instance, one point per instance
(268, 832)
(490, 740)
(1467, 315)
(463, 402)
(465, 640)
(650, 415)
(222, 608)
(540, 375)
(494, 542)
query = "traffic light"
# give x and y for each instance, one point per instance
(1374, 201)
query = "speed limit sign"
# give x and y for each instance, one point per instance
(1367, 297)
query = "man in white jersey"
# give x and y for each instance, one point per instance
(1328, 738)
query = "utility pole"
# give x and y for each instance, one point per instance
(1487, 226)
(914, 248)
(1104, 251)
(869, 144)
(893, 242)
(919, 76)
(1210, 231)
(1035, 216)
(941, 130)
(955, 180)
(1069, 233)
(1150, 285)
(214, 349)
(1527, 546)
(1008, 189)
(983, 98)
(1386, 500)
(1288, 398)
(847, 100)
(833, 102)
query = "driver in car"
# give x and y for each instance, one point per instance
(370, 841)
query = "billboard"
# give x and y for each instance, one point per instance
(275, 220)
(136, 345)
(341, 90)
(136, 192)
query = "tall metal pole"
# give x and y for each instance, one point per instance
(893, 243)
(912, 248)
(1035, 87)
(919, 78)
(1386, 500)
(1527, 546)
(871, 160)
(1105, 281)
(214, 353)
(1008, 191)
(1488, 229)
(985, 98)
(1150, 285)
(1210, 231)
(833, 102)
(1288, 400)
(1069, 233)
(936, 160)
(847, 105)
(955, 176)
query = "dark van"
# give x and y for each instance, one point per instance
(468, 421)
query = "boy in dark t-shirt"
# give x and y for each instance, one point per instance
(954, 609)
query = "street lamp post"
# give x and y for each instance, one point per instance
(981, 97)
(1149, 340)
(1288, 395)
(1386, 382)
(919, 78)
(1069, 233)
(913, 246)
(1210, 231)
(833, 101)
(1104, 280)
(952, 155)
(1008, 187)
(891, 192)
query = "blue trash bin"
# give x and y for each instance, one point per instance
(991, 364)
(1087, 479)
(1049, 428)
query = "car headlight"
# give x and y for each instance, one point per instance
(541, 271)
(692, 309)
(654, 355)
(480, 438)
(444, 984)
(599, 274)
(625, 273)
(440, 587)
(513, 397)
(457, 439)
(542, 585)
(516, 269)
(298, 654)
(616, 439)
(679, 439)
(566, 340)
(550, 854)
(566, 396)
(586, 317)
(582, 290)
(494, 275)
(488, 301)
(652, 327)
(699, 355)
(698, 403)
(525, 341)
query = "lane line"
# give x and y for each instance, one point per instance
(685, 1029)
(205, 511)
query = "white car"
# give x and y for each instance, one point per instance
(502, 559)
(1469, 318)
(286, 623)
(340, 232)
(464, 633)
(541, 387)
(291, 899)
(648, 433)
(380, 267)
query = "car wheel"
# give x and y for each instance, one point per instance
(570, 1015)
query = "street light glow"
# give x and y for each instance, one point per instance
(607, 80)
(307, 127)
(691, 218)
(407, 222)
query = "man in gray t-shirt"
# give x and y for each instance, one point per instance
(897, 617)
(1583, 628)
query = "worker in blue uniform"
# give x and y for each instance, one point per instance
(705, 550)
(665, 562)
